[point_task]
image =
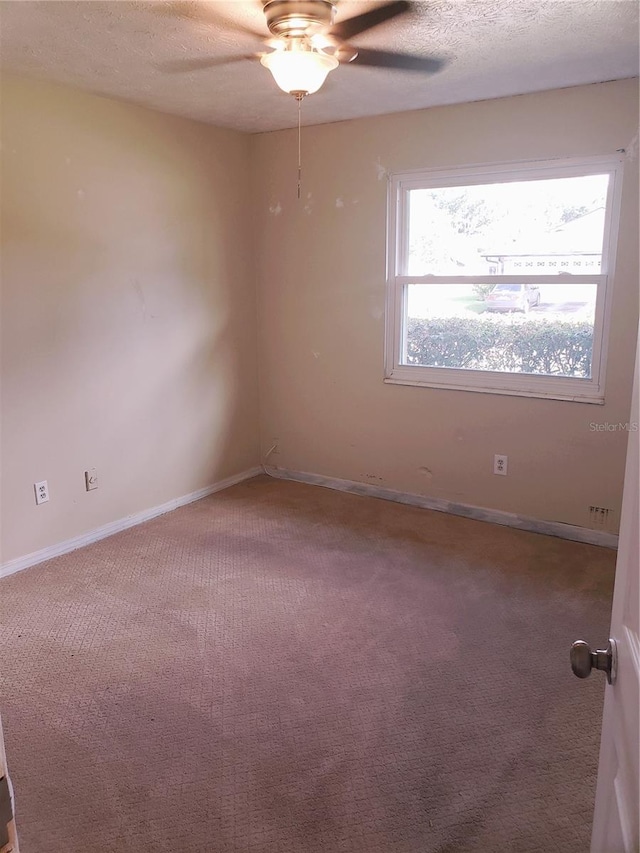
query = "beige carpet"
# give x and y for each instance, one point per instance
(286, 669)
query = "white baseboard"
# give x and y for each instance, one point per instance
(495, 516)
(32, 559)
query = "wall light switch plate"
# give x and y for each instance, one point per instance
(42, 492)
(91, 479)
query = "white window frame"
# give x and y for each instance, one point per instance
(494, 382)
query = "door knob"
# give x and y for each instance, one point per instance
(583, 660)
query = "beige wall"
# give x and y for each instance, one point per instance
(321, 276)
(128, 311)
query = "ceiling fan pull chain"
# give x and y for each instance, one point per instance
(299, 99)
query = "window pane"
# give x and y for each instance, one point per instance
(544, 330)
(524, 227)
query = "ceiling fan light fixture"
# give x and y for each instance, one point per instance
(299, 69)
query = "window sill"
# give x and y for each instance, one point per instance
(528, 386)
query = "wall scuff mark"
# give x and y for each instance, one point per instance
(309, 205)
(380, 170)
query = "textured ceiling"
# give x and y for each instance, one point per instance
(492, 47)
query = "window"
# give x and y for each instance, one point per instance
(500, 277)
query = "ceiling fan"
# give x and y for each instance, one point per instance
(306, 44)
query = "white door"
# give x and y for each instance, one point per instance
(8, 838)
(617, 810)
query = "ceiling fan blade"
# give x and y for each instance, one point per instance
(402, 61)
(345, 30)
(180, 66)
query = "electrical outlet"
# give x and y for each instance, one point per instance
(91, 479)
(500, 463)
(600, 517)
(42, 492)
